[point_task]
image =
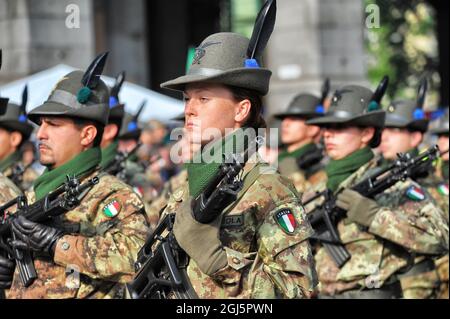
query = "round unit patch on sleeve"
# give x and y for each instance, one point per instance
(112, 208)
(286, 220)
(415, 193)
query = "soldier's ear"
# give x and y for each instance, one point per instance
(416, 139)
(242, 111)
(367, 134)
(88, 134)
(15, 139)
(312, 131)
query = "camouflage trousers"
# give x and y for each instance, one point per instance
(421, 282)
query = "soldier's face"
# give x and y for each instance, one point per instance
(343, 141)
(395, 140)
(209, 110)
(60, 140)
(8, 143)
(443, 143)
(293, 130)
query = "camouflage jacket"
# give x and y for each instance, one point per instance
(401, 227)
(438, 189)
(27, 179)
(154, 210)
(303, 179)
(8, 190)
(264, 259)
(96, 261)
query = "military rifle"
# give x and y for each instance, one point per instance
(63, 199)
(161, 263)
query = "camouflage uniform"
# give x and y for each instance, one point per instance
(153, 211)
(103, 251)
(28, 176)
(95, 253)
(304, 165)
(15, 120)
(263, 260)
(8, 190)
(303, 180)
(408, 115)
(401, 227)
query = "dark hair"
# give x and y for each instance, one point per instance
(80, 123)
(23, 137)
(255, 119)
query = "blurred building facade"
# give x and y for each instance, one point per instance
(151, 40)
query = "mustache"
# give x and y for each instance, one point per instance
(44, 144)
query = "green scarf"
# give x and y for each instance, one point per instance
(298, 152)
(108, 154)
(205, 163)
(10, 160)
(444, 170)
(82, 164)
(339, 170)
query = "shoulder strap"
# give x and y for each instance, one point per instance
(249, 179)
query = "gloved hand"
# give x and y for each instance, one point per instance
(7, 267)
(200, 241)
(34, 236)
(360, 209)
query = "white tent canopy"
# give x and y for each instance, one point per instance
(40, 84)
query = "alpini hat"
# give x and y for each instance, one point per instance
(355, 105)
(130, 126)
(440, 126)
(232, 59)
(409, 114)
(78, 95)
(305, 105)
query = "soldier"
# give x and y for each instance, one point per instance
(15, 130)
(8, 191)
(258, 247)
(99, 239)
(134, 172)
(440, 127)
(110, 134)
(383, 236)
(301, 161)
(186, 149)
(404, 130)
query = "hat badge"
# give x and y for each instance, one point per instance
(200, 52)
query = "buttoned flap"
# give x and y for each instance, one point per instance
(283, 227)
(238, 260)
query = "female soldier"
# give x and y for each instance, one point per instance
(258, 247)
(382, 235)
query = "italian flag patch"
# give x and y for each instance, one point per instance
(415, 193)
(443, 189)
(285, 219)
(112, 209)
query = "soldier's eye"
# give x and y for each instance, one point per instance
(204, 99)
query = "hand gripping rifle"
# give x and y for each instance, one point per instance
(161, 263)
(326, 216)
(60, 201)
